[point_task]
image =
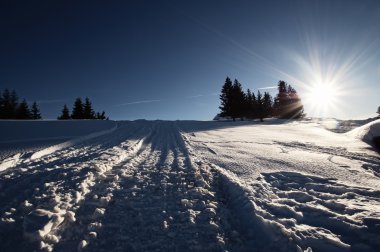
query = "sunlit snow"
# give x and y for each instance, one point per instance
(190, 186)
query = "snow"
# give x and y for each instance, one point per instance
(367, 132)
(191, 186)
(24, 137)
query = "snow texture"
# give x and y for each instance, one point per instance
(194, 186)
(366, 132)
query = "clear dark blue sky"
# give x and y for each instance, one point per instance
(169, 59)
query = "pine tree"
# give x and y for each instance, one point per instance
(9, 104)
(378, 110)
(260, 107)
(248, 105)
(101, 116)
(226, 99)
(35, 111)
(14, 102)
(287, 103)
(88, 112)
(238, 101)
(78, 111)
(296, 106)
(267, 104)
(65, 115)
(281, 100)
(23, 111)
(251, 105)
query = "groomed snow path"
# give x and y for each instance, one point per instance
(189, 186)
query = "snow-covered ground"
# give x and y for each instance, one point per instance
(194, 186)
(22, 138)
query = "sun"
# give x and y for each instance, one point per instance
(322, 95)
(322, 98)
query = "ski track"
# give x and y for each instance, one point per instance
(143, 187)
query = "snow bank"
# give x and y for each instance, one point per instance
(366, 132)
(26, 131)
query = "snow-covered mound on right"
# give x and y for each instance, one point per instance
(366, 132)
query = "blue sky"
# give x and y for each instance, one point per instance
(169, 59)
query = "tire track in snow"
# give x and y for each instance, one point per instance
(90, 213)
(242, 220)
(57, 192)
(319, 212)
(300, 211)
(162, 201)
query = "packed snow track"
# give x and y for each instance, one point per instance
(193, 186)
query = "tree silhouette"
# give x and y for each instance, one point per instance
(101, 116)
(287, 103)
(238, 101)
(23, 111)
(267, 104)
(260, 106)
(226, 98)
(35, 111)
(78, 112)
(65, 115)
(378, 110)
(248, 104)
(251, 101)
(88, 112)
(235, 103)
(8, 105)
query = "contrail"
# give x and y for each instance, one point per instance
(138, 102)
(272, 87)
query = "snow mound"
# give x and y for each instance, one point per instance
(366, 132)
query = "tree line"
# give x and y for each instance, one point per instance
(235, 103)
(11, 108)
(81, 110)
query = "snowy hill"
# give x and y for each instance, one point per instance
(367, 132)
(194, 186)
(25, 136)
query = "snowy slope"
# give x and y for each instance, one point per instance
(195, 186)
(366, 132)
(22, 138)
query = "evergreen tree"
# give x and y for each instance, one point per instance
(378, 110)
(14, 102)
(267, 104)
(78, 111)
(287, 103)
(260, 107)
(254, 106)
(248, 105)
(9, 105)
(238, 101)
(23, 111)
(88, 112)
(101, 116)
(251, 104)
(296, 106)
(281, 100)
(35, 111)
(65, 115)
(226, 98)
